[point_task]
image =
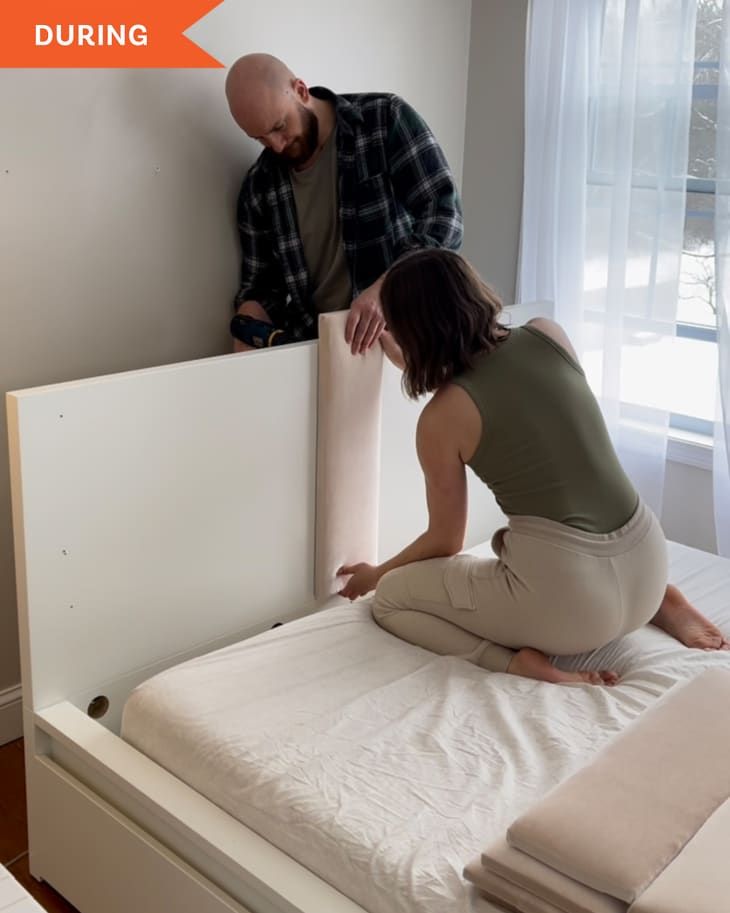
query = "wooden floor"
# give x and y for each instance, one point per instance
(14, 829)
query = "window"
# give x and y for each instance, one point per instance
(659, 373)
(696, 316)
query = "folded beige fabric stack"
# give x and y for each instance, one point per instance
(643, 828)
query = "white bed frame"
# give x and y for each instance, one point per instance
(159, 514)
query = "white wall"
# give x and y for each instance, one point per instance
(118, 247)
(493, 156)
(688, 511)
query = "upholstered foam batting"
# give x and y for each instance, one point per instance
(644, 825)
(516, 881)
(348, 454)
(620, 820)
(699, 878)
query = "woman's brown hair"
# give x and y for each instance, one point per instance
(441, 314)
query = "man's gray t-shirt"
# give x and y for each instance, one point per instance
(317, 203)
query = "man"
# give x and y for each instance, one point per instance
(345, 185)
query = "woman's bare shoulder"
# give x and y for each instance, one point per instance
(553, 331)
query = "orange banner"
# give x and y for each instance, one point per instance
(114, 33)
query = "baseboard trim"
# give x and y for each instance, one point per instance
(11, 714)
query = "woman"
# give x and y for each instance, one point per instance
(583, 560)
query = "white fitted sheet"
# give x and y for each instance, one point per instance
(382, 767)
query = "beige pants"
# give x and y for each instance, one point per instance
(552, 587)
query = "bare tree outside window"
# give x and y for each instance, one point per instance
(697, 277)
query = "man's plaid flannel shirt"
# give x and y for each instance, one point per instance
(396, 194)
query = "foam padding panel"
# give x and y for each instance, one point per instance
(348, 454)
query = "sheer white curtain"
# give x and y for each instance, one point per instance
(608, 98)
(721, 453)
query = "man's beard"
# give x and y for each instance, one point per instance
(303, 147)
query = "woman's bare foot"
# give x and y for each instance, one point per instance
(684, 622)
(534, 664)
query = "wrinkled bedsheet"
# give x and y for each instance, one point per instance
(385, 768)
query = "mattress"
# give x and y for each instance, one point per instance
(382, 767)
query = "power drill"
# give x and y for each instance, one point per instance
(257, 333)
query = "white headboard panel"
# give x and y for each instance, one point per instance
(158, 509)
(403, 514)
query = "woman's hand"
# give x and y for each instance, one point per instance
(364, 578)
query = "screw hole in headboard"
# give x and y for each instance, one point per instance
(98, 707)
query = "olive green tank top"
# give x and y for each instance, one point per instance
(545, 449)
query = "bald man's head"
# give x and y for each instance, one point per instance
(270, 104)
(255, 73)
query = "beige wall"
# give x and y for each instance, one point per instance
(494, 141)
(117, 191)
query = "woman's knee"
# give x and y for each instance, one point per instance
(390, 594)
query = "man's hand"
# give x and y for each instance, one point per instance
(365, 322)
(364, 578)
(255, 310)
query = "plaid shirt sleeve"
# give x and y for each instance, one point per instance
(423, 182)
(261, 278)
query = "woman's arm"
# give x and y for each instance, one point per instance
(446, 495)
